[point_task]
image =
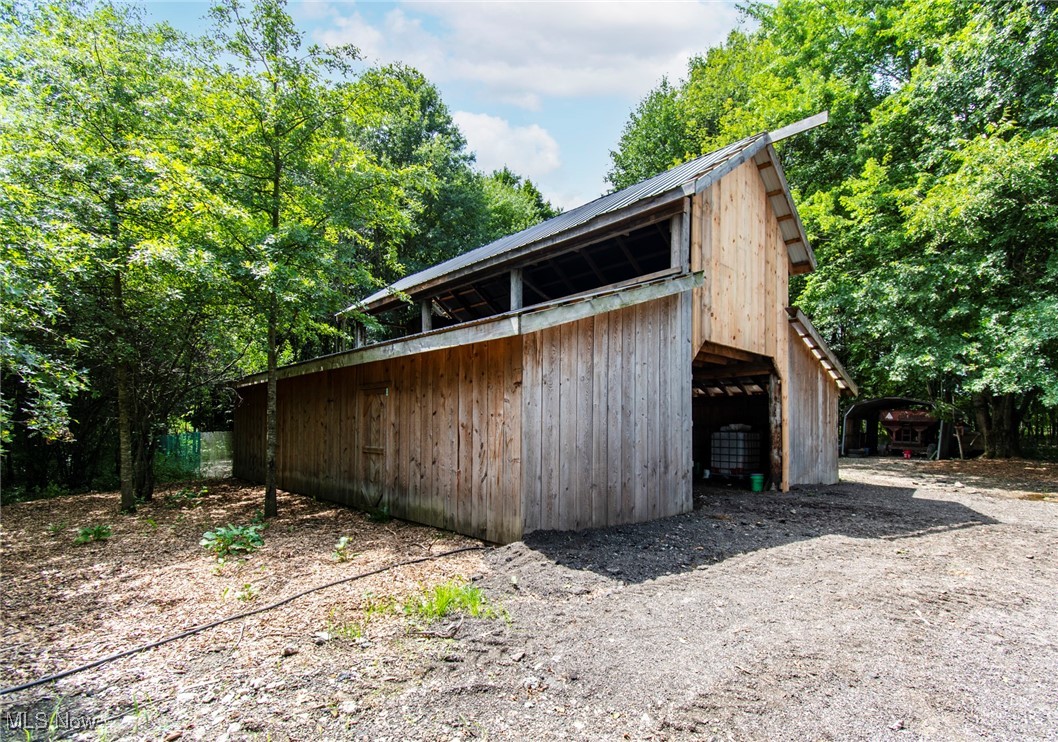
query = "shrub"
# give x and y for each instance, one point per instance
(231, 539)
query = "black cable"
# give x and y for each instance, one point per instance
(247, 614)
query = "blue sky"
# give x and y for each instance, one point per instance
(544, 87)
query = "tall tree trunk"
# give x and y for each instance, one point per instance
(128, 486)
(999, 418)
(271, 508)
(126, 470)
(143, 464)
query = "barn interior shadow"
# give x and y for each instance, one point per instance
(727, 522)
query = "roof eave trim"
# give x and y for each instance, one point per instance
(797, 317)
(781, 174)
(700, 184)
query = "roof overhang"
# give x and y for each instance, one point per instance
(811, 337)
(631, 217)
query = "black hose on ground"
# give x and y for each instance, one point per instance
(229, 619)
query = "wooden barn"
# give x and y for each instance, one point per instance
(576, 374)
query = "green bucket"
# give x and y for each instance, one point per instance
(756, 482)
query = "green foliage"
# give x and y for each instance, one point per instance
(88, 534)
(247, 593)
(227, 540)
(454, 596)
(55, 529)
(929, 197)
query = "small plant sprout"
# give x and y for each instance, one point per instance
(187, 496)
(99, 532)
(247, 593)
(230, 539)
(341, 550)
(54, 529)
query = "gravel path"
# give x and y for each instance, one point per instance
(896, 605)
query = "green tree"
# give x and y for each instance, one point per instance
(97, 196)
(303, 201)
(928, 197)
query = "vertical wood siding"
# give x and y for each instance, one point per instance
(607, 418)
(736, 240)
(813, 418)
(434, 437)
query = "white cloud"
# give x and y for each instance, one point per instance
(520, 51)
(527, 150)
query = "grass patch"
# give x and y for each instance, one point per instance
(454, 596)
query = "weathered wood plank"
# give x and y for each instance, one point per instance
(599, 420)
(585, 370)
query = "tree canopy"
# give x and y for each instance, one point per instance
(929, 197)
(179, 212)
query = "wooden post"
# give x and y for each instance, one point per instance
(359, 335)
(427, 315)
(679, 228)
(516, 289)
(775, 424)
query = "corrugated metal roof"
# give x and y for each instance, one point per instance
(677, 177)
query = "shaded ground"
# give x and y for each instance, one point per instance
(913, 600)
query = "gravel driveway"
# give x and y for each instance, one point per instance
(895, 605)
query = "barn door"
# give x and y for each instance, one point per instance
(373, 443)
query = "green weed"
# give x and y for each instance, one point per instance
(93, 533)
(341, 550)
(454, 596)
(229, 539)
(186, 497)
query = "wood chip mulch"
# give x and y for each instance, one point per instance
(64, 605)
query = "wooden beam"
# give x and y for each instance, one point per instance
(628, 253)
(798, 126)
(765, 165)
(594, 266)
(465, 306)
(426, 310)
(774, 193)
(784, 218)
(493, 328)
(775, 428)
(487, 302)
(710, 359)
(533, 321)
(742, 370)
(732, 353)
(679, 231)
(516, 289)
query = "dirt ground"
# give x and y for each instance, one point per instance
(913, 600)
